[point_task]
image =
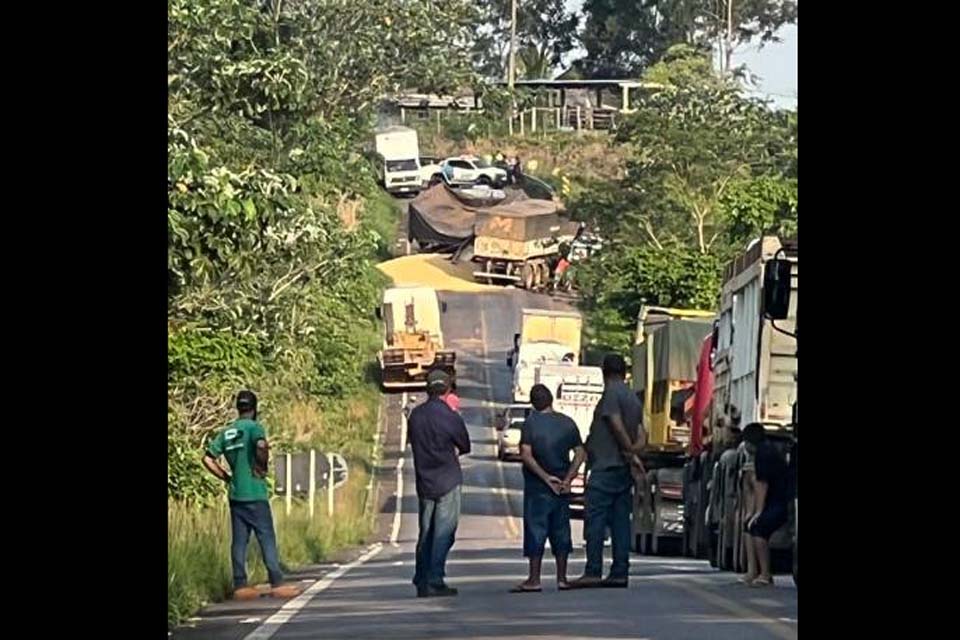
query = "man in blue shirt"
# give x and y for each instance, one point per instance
(546, 441)
(438, 436)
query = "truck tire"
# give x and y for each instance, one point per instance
(484, 180)
(527, 275)
(544, 274)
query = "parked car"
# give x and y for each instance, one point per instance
(508, 424)
(470, 170)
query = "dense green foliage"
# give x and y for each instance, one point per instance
(705, 171)
(274, 219)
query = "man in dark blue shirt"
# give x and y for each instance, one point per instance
(438, 436)
(546, 441)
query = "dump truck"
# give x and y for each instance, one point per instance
(751, 378)
(665, 353)
(413, 340)
(519, 243)
(546, 337)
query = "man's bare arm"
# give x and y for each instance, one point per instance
(526, 454)
(214, 467)
(619, 431)
(579, 455)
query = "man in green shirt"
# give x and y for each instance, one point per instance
(244, 445)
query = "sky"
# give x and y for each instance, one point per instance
(774, 63)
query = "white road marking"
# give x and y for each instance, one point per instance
(288, 610)
(512, 529)
(395, 531)
(250, 621)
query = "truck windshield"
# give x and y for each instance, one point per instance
(402, 165)
(480, 163)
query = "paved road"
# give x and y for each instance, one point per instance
(370, 595)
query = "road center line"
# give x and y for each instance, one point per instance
(395, 531)
(512, 529)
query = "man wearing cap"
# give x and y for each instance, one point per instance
(616, 437)
(244, 445)
(438, 436)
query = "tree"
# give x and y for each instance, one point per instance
(624, 37)
(545, 32)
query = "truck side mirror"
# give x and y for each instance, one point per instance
(510, 361)
(379, 313)
(443, 307)
(500, 423)
(776, 289)
(516, 341)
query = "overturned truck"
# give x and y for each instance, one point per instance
(514, 238)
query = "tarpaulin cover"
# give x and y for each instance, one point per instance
(677, 347)
(440, 218)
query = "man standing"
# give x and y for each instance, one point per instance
(615, 440)
(244, 445)
(438, 437)
(770, 499)
(546, 440)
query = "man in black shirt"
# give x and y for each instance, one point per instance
(770, 503)
(546, 441)
(438, 436)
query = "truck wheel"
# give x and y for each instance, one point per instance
(436, 179)
(544, 274)
(484, 180)
(527, 275)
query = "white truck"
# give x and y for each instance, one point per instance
(576, 391)
(398, 160)
(546, 337)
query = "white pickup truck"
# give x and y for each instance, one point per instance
(470, 170)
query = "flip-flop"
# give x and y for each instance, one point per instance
(745, 580)
(761, 583)
(522, 589)
(564, 586)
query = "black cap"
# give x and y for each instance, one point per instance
(246, 401)
(438, 380)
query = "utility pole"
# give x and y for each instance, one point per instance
(512, 64)
(729, 52)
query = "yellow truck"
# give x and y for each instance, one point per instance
(413, 338)
(666, 352)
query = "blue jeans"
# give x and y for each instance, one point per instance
(609, 500)
(245, 516)
(438, 526)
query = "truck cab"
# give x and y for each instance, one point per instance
(398, 160)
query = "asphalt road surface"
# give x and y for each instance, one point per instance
(369, 593)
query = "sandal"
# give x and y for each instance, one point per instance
(762, 582)
(521, 588)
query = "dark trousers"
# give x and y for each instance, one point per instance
(438, 528)
(255, 516)
(609, 500)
